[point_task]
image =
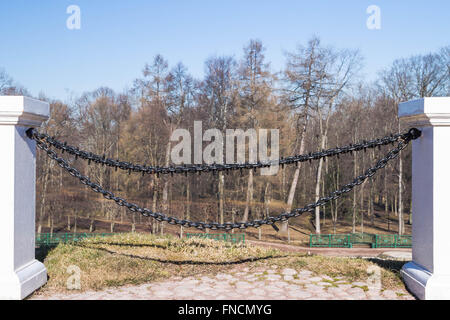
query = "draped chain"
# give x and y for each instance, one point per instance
(45, 142)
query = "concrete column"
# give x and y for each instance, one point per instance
(20, 272)
(428, 275)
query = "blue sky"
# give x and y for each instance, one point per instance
(117, 37)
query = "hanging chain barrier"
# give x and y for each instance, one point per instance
(45, 142)
(144, 169)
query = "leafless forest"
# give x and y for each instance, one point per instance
(319, 100)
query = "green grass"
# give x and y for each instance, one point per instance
(139, 258)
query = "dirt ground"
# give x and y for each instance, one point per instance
(264, 283)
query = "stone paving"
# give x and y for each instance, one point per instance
(242, 284)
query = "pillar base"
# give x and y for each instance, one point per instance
(20, 283)
(424, 284)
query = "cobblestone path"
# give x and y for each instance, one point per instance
(259, 284)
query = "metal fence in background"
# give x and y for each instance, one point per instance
(351, 239)
(53, 239)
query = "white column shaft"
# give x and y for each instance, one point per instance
(20, 273)
(428, 275)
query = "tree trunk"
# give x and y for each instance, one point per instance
(249, 198)
(112, 217)
(317, 194)
(133, 222)
(354, 196)
(188, 200)
(165, 194)
(221, 197)
(400, 198)
(51, 225)
(334, 211)
(154, 204)
(290, 200)
(361, 208)
(92, 225)
(233, 219)
(265, 212)
(75, 223)
(49, 218)
(258, 214)
(395, 205)
(361, 195)
(319, 179)
(410, 213)
(386, 205)
(288, 232)
(370, 208)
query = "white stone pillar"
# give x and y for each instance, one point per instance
(20, 272)
(428, 275)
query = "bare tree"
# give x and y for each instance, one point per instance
(255, 92)
(9, 88)
(317, 77)
(99, 116)
(415, 77)
(302, 75)
(5, 81)
(219, 97)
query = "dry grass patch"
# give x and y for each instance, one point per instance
(139, 258)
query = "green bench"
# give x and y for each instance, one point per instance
(393, 241)
(229, 237)
(363, 238)
(330, 240)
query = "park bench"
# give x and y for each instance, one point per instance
(393, 241)
(363, 239)
(330, 240)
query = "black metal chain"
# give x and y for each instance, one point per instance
(403, 142)
(144, 169)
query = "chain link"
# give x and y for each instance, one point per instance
(403, 141)
(144, 169)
